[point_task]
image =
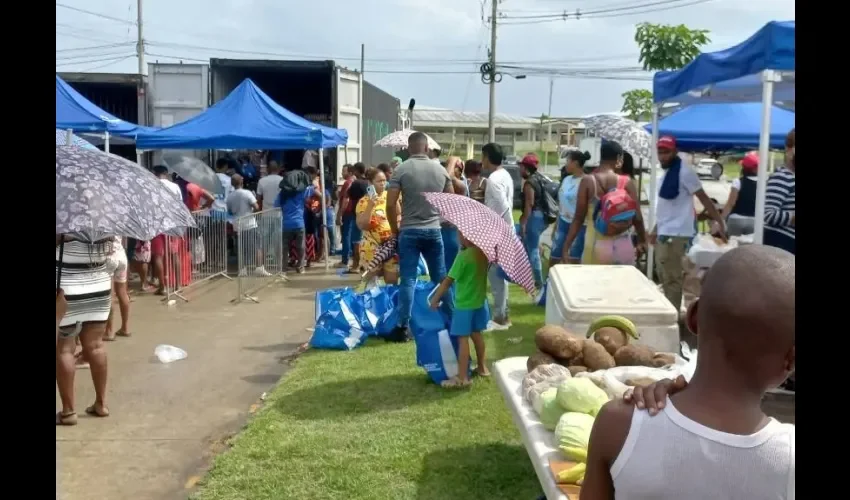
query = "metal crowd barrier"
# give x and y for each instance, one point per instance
(259, 250)
(198, 256)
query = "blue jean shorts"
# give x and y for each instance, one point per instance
(560, 237)
(468, 321)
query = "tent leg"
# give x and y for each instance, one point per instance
(345, 153)
(69, 137)
(768, 78)
(653, 190)
(106, 141)
(324, 209)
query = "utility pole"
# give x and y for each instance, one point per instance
(492, 115)
(362, 58)
(549, 114)
(141, 91)
(140, 40)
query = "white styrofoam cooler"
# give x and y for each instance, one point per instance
(577, 295)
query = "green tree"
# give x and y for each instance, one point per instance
(637, 104)
(662, 47)
(668, 47)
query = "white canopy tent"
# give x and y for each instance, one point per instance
(760, 69)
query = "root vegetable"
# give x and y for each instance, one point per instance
(577, 369)
(557, 342)
(662, 359)
(640, 382)
(596, 357)
(610, 338)
(537, 359)
(634, 355)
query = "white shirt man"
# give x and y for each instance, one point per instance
(500, 194)
(268, 189)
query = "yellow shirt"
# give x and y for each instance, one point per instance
(379, 226)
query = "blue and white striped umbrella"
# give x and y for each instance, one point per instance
(62, 140)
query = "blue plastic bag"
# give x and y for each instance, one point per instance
(422, 267)
(342, 320)
(381, 306)
(436, 350)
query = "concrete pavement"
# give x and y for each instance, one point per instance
(168, 420)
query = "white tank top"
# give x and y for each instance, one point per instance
(671, 457)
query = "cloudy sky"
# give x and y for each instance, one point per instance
(425, 49)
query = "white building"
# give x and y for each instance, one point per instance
(465, 132)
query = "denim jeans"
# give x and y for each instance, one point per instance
(499, 288)
(451, 244)
(533, 229)
(331, 240)
(411, 244)
(349, 228)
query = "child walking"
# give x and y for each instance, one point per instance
(471, 312)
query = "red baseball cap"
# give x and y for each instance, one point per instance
(667, 142)
(530, 159)
(750, 162)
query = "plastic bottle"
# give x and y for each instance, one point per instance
(168, 353)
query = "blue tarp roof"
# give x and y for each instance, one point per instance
(246, 119)
(734, 74)
(719, 127)
(75, 112)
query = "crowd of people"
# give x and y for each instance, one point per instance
(597, 221)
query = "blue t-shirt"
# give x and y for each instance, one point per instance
(293, 210)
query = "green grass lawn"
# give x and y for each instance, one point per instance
(368, 424)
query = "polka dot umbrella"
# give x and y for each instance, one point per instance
(488, 231)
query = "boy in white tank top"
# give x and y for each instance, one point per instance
(711, 440)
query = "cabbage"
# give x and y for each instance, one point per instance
(581, 395)
(550, 410)
(573, 430)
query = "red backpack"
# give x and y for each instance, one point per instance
(616, 210)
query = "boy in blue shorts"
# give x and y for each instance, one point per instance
(471, 312)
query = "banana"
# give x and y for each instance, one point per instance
(572, 475)
(621, 323)
(575, 454)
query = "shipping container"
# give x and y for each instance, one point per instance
(320, 91)
(118, 95)
(380, 117)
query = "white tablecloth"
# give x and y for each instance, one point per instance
(539, 442)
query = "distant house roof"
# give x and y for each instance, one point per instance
(437, 116)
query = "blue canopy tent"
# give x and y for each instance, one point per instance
(759, 69)
(249, 119)
(721, 127)
(246, 119)
(75, 112)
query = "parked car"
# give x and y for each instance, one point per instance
(708, 167)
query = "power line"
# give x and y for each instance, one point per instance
(94, 47)
(96, 60)
(578, 16)
(101, 66)
(603, 10)
(95, 14)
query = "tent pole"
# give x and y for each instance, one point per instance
(324, 209)
(653, 189)
(106, 141)
(69, 137)
(345, 153)
(768, 77)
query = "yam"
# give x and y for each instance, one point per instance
(557, 342)
(640, 382)
(663, 359)
(634, 355)
(610, 338)
(537, 359)
(576, 361)
(574, 370)
(596, 357)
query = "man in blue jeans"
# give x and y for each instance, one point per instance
(419, 233)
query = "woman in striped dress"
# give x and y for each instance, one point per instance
(88, 292)
(780, 204)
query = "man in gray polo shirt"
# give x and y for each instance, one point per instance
(420, 225)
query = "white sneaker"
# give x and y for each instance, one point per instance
(261, 271)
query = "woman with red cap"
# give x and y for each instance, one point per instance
(740, 208)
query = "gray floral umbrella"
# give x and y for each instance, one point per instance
(100, 194)
(631, 136)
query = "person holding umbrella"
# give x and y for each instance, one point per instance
(99, 196)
